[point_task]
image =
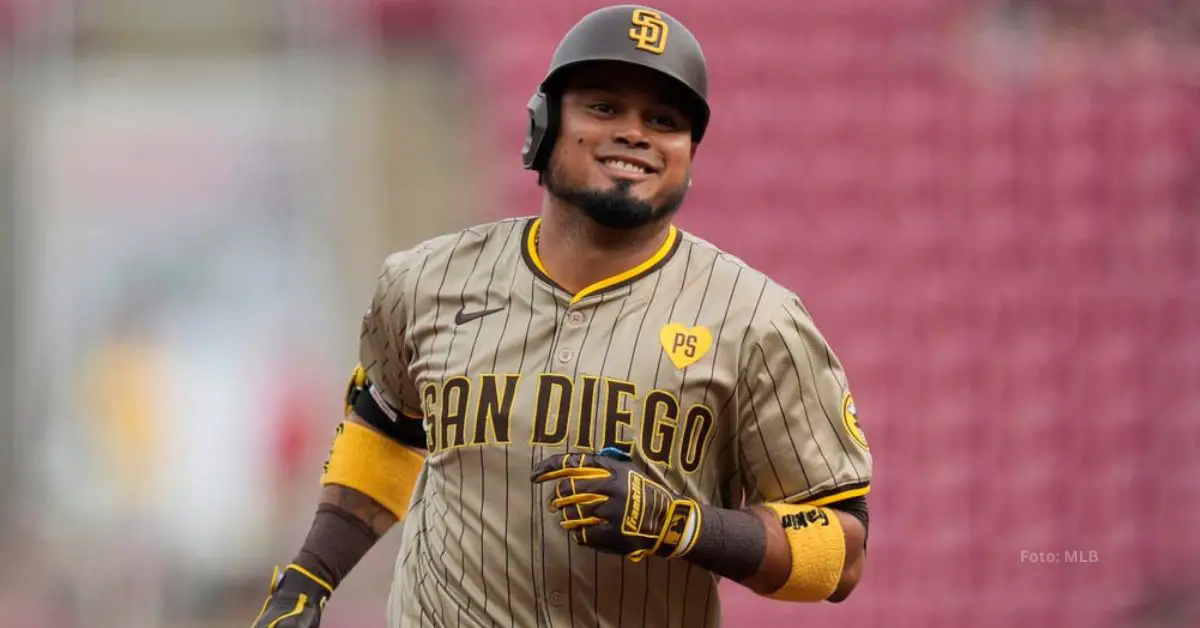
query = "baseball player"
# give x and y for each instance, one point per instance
(588, 417)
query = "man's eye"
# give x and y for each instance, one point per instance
(667, 122)
(602, 108)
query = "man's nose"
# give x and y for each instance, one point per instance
(631, 132)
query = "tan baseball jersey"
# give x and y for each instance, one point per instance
(712, 374)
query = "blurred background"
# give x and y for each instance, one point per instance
(991, 207)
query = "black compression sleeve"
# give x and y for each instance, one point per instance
(732, 543)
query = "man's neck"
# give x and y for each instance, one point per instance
(577, 252)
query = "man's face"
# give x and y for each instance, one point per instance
(624, 148)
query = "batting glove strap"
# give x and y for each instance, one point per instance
(296, 600)
(681, 531)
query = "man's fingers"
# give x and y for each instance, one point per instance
(578, 499)
(573, 524)
(578, 473)
(575, 492)
(549, 463)
(579, 466)
(552, 463)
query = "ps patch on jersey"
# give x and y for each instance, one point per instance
(850, 416)
(685, 346)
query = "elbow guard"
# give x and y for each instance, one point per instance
(374, 465)
(364, 401)
(818, 547)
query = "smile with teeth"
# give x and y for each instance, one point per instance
(625, 166)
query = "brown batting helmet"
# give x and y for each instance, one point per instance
(631, 34)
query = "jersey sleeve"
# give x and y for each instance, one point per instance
(383, 350)
(799, 437)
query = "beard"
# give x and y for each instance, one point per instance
(616, 207)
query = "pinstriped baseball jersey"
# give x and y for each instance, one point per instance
(712, 374)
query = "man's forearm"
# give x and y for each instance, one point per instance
(356, 503)
(741, 546)
(346, 526)
(751, 548)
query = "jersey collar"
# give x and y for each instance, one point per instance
(661, 256)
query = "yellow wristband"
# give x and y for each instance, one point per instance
(375, 465)
(818, 552)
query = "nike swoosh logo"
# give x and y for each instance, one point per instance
(462, 317)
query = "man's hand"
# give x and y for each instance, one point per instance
(296, 600)
(608, 505)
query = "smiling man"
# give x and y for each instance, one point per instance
(589, 416)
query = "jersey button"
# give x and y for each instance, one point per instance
(564, 355)
(577, 318)
(556, 598)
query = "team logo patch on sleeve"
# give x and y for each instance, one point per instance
(685, 346)
(850, 416)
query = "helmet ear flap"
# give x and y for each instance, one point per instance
(543, 126)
